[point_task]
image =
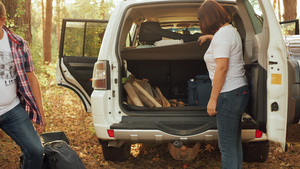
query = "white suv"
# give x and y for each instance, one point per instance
(157, 40)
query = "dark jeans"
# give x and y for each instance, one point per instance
(17, 124)
(230, 107)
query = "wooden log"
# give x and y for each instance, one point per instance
(148, 88)
(133, 96)
(129, 100)
(173, 104)
(164, 100)
(156, 96)
(180, 104)
(145, 85)
(173, 101)
(145, 96)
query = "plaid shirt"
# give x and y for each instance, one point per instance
(23, 63)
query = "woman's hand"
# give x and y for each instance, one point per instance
(204, 38)
(211, 107)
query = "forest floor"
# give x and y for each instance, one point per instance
(65, 112)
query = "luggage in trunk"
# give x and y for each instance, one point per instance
(199, 90)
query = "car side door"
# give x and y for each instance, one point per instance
(79, 48)
(273, 57)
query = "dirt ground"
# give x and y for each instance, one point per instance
(66, 113)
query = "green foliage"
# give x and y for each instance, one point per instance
(10, 21)
(74, 36)
(93, 40)
(18, 29)
(20, 10)
(45, 73)
(288, 29)
(92, 9)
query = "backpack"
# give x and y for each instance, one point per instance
(58, 155)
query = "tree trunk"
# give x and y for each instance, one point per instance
(43, 26)
(102, 9)
(279, 11)
(25, 20)
(58, 11)
(274, 4)
(22, 21)
(48, 30)
(11, 7)
(290, 9)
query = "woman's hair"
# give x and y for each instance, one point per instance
(211, 16)
(2, 10)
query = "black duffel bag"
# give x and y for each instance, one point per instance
(58, 155)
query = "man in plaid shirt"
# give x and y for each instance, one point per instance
(20, 96)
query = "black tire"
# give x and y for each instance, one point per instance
(115, 154)
(256, 151)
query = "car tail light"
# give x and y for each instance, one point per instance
(111, 133)
(100, 75)
(258, 134)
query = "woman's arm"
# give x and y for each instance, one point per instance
(204, 38)
(218, 82)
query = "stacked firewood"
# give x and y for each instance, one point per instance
(141, 93)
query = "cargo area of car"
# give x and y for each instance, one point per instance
(171, 67)
(159, 44)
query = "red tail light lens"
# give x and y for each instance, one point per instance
(258, 134)
(111, 133)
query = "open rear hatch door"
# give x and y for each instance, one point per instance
(79, 47)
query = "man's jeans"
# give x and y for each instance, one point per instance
(230, 108)
(18, 126)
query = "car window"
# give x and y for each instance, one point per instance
(255, 14)
(130, 40)
(83, 39)
(290, 27)
(166, 23)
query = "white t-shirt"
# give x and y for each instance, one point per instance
(227, 43)
(8, 84)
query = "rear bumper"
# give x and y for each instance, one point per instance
(157, 136)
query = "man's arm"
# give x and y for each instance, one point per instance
(35, 87)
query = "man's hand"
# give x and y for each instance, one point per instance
(40, 129)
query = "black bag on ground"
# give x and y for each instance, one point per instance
(199, 90)
(52, 136)
(59, 155)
